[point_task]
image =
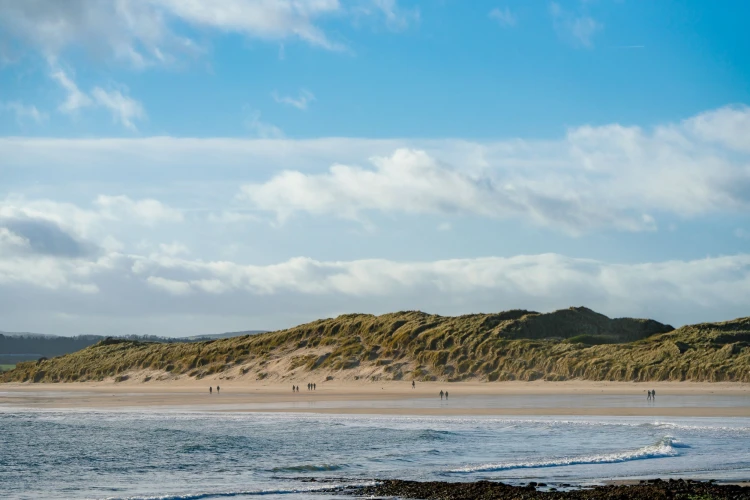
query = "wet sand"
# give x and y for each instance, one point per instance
(675, 399)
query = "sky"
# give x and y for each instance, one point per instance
(178, 167)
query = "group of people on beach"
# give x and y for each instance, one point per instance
(211, 390)
(310, 387)
(443, 394)
(651, 395)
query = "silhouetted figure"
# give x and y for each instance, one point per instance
(441, 394)
(315, 386)
(653, 394)
(649, 395)
(293, 389)
(210, 390)
(446, 394)
(413, 384)
(309, 386)
(218, 389)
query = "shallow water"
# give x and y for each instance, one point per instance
(246, 401)
(178, 454)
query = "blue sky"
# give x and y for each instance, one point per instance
(177, 167)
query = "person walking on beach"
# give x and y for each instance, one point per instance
(446, 395)
(441, 394)
(413, 384)
(210, 390)
(315, 386)
(653, 394)
(218, 389)
(649, 395)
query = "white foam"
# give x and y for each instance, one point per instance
(664, 448)
(236, 493)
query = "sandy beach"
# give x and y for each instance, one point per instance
(677, 399)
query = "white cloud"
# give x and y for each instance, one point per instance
(728, 126)
(742, 233)
(597, 177)
(300, 102)
(504, 17)
(275, 20)
(159, 284)
(11, 242)
(232, 217)
(75, 99)
(260, 128)
(150, 32)
(396, 17)
(592, 178)
(171, 286)
(24, 112)
(58, 219)
(578, 29)
(173, 249)
(147, 212)
(123, 108)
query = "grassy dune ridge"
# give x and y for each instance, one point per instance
(574, 343)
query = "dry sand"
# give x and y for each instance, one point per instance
(388, 397)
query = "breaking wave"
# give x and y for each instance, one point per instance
(309, 468)
(237, 493)
(666, 447)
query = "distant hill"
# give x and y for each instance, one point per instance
(226, 335)
(24, 346)
(574, 343)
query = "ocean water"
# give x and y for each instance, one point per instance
(177, 454)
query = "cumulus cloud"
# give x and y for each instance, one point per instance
(147, 212)
(61, 228)
(603, 177)
(170, 286)
(166, 284)
(597, 177)
(37, 235)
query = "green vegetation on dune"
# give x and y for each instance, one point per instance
(513, 345)
(4, 368)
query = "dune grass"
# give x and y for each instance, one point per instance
(5, 368)
(574, 343)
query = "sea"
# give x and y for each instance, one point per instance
(191, 453)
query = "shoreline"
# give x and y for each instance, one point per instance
(651, 488)
(569, 398)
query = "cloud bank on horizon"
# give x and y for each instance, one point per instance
(176, 168)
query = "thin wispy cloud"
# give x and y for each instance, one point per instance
(303, 99)
(260, 128)
(24, 112)
(123, 108)
(579, 30)
(504, 17)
